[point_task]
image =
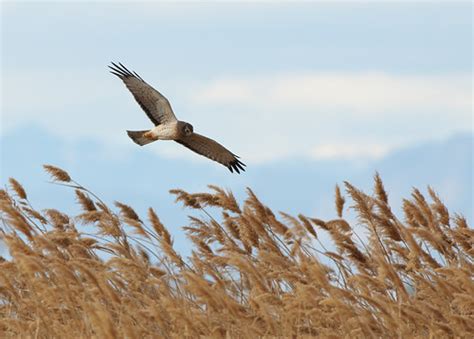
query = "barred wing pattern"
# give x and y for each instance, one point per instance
(155, 105)
(212, 150)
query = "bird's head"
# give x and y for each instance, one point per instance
(187, 129)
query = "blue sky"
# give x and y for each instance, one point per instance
(322, 80)
(347, 84)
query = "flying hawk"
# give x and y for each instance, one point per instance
(167, 127)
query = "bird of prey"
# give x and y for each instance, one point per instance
(167, 126)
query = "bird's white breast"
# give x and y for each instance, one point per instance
(167, 131)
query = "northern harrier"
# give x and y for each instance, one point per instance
(167, 127)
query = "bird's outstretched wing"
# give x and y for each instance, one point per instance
(155, 105)
(212, 150)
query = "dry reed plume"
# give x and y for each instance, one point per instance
(251, 274)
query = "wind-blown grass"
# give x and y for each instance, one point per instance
(252, 273)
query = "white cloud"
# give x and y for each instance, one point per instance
(330, 115)
(364, 94)
(260, 117)
(348, 151)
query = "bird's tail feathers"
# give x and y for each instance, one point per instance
(139, 137)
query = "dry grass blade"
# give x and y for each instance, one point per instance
(225, 199)
(86, 203)
(56, 218)
(159, 228)
(307, 225)
(340, 200)
(439, 207)
(380, 192)
(57, 174)
(19, 190)
(249, 274)
(127, 211)
(187, 199)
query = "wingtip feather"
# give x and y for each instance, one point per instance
(122, 72)
(237, 166)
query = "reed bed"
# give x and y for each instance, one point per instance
(252, 273)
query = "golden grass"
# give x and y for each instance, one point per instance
(251, 273)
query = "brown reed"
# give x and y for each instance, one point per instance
(250, 273)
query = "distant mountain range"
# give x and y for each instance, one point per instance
(143, 179)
